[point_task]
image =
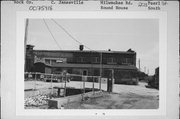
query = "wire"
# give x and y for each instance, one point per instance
(77, 41)
(70, 35)
(52, 35)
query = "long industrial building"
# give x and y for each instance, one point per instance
(83, 62)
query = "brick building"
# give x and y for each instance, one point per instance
(122, 63)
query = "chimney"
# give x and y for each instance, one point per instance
(29, 47)
(130, 50)
(81, 47)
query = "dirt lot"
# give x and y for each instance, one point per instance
(116, 101)
(123, 96)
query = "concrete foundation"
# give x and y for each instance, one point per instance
(59, 103)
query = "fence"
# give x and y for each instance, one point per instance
(39, 87)
(43, 83)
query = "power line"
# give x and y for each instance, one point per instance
(73, 38)
(81, 44)
(52, 35)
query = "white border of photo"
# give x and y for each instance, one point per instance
(20, 31)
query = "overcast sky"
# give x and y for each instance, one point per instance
(141, 35)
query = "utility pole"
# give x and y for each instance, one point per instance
(139, 64)
(25, 42)
(100, 71)
(144, 69)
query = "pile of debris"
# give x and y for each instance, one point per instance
(37, 100)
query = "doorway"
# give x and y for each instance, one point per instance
(84, 72)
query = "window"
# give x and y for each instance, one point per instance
(111, 60)
(47, 61)
(70, 60)
(127, 61)
(53, 61)
(96, 72)
(82, 60)
(95, 60)
(61, 60)
(85, 72)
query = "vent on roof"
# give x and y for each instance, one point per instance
(81, 47)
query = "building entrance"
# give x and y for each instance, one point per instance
(85, 72)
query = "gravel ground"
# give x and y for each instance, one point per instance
(116, 101)
(123, 96)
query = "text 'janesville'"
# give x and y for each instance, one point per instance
(67, 2)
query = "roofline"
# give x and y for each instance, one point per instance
(95, 51)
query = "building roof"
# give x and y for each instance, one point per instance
(88, 51)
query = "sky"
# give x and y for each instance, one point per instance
(141, 35)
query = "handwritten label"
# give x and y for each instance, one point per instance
(152, 5)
